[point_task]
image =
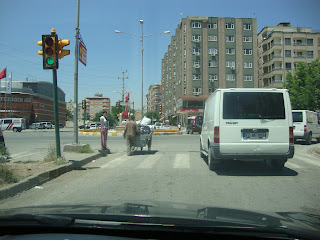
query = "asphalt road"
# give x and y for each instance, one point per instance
(175, 172)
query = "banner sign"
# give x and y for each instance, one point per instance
(83, 54)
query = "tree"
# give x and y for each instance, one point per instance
(152, 115)
(112, 120)
(69, 115)
(304, 86)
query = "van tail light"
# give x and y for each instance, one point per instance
(291, 136)
(194, 122)
(216, 135)
(305, 128)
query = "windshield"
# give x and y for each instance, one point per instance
(85, 78)
(247, 105)
(297, 116)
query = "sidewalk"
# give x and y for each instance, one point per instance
(75, 161)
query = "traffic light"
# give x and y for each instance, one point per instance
(49, 51)
(63, 52)
(83, 104)
(160, 108)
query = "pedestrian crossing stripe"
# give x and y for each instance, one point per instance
(182, 161)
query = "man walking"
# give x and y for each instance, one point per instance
(130, 131)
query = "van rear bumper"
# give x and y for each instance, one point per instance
(218, 155)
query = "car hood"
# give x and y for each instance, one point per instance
(179, 213)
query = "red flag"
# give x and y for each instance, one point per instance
(3, 73)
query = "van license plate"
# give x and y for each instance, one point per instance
(254, 135)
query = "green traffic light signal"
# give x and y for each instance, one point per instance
(50, 61)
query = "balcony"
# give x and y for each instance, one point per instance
(299, 56)
(299, 43)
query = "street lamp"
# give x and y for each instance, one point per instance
(141, 40)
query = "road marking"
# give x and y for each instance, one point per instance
(149, 162)
(22, 154)
(181, 161)
(292, 165)
(116, 162)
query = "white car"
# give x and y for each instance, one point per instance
(165, 127)
(247, 124)
(306, 125)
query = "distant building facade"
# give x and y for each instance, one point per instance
(96, 104)
(207, 53)
(281, 47)
(33, 101)
(154, 97)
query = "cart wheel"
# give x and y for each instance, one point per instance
(141, 148)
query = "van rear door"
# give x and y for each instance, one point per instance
(254, 123)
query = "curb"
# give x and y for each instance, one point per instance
(44, 177)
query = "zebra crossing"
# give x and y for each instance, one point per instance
(193, 160)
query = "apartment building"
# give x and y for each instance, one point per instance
(281, 47)
(96, 104)
(153, 97)
(204, 54)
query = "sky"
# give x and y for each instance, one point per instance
(22, 23)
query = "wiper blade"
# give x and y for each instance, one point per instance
(48, 219)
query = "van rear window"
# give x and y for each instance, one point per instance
(297, 116)
(253, 105)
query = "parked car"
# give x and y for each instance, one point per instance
(36, 126)
(47, 125)
(244, 124)
(194, 124)
(306, 125)
(95, 126)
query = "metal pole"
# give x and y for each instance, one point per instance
(75, 116)
(141, 21)
(56, 111)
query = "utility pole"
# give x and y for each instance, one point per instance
(123, 78)
(75, 116)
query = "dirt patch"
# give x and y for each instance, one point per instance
(23, 170)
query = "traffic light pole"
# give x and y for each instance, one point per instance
(56, 112)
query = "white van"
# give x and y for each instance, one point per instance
(306, 125)
(247, 124)
(14, 124)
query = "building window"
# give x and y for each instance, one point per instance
(287, 41)
(213, 63)
(247, 77)
(196, 38)
(213, 77)
(184, 66)
(184, 53)
(212, 25)
(213, 51)
(247, 39)
(196, 51)
(212, 38)
(196, 76)
(196, 64)
(247, 26)
(247, 64)
(288, 53)
(231, 77)
(229, 26)
(184, 79)
(247, 51)
(184, 40)
(230, 51)
(288, 65)
(184, 28)
(184, 91)
(196, 24)
(310, 54)
(196, 90)
(310, 42)
(230, 38)
(231, 64)
(210, 90)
